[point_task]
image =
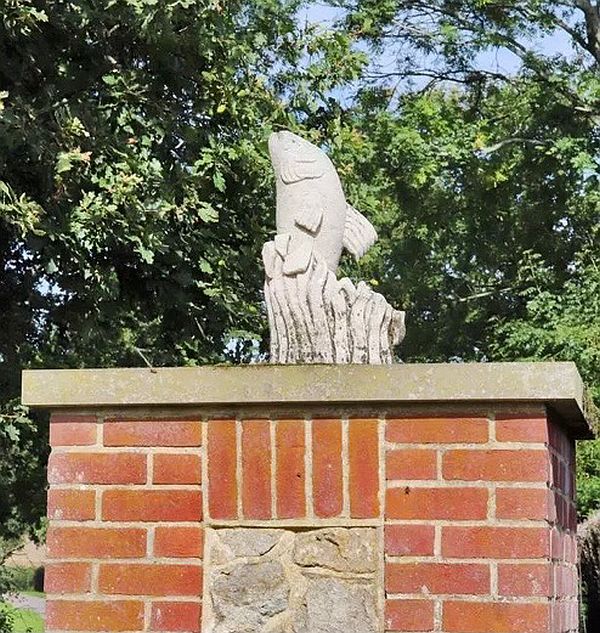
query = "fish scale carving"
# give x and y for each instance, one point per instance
(313, 316)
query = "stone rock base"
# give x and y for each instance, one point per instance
(285, 581)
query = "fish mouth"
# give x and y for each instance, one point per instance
(282, 140)
(279, 144)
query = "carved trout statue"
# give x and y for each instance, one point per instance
(313, 316)
(311, 206)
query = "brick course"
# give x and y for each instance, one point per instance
(256, 469)
(500, 502)
(290, 472)
(327, 483)
(476, 512)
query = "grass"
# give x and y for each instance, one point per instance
(23, 580)
(25, 620)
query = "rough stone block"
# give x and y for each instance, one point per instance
(285, 581)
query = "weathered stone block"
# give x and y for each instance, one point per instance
(286, 581)
(333, 605)
(337, 549)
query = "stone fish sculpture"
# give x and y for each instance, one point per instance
(313, 316)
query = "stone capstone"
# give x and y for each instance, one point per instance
(285, 581)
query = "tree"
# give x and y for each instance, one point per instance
(462, 221)
(135, 188)
(442, 40)
(483, 183)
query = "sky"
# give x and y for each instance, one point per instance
(498, 61)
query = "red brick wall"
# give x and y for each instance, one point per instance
(476, 513)
(480, 526)
(564, 532)
(125, 536)
(274, 457)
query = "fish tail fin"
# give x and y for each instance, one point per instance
(359, 234)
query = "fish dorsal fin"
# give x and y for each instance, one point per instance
(359, 234)
(298, 169)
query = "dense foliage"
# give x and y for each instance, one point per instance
(135, 188)
(589, 553)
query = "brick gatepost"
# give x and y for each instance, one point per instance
(459, 479)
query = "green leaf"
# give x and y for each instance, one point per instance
(205, 267)
(207, 212)
(219, 181)
(64, 162)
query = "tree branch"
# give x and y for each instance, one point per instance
(482, 295)
(510, 141)
(592, 22)
(567, 28)
(143, 357)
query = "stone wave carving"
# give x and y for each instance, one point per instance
(316, 318)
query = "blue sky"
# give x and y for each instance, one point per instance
(500, 61)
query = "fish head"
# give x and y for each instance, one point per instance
(294, 159)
